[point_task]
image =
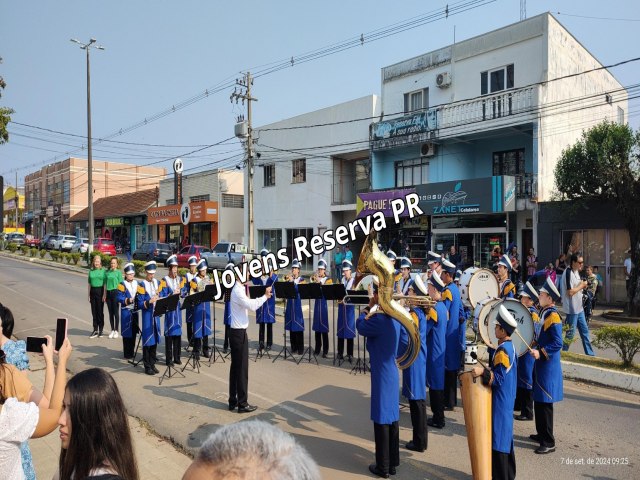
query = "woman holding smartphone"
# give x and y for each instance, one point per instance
(114, 278)
(97, 295)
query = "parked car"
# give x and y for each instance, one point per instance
(104, 245)
(66, 242)
(227, 252)
(153, 251)
(52, 242)
(17, 238)
(44, 240)
(31, 241)
(191, 250)
(80, 245)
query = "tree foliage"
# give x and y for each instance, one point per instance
(5, 114)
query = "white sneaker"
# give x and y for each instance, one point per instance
(115, 334)
(111, 334)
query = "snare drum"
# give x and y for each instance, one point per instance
(523, 319)
(477, 284)
(480, 319)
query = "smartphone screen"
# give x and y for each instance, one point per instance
(34, 344)
(61, 333)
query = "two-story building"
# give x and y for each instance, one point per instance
(476, 129)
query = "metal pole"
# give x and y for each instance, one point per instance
(17, 200)
(89, 159)
(250, 162)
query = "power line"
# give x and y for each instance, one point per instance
(600, 18)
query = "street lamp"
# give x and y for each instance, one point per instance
(87, 47)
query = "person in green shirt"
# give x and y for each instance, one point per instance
(114, 277)
(338, 257)
(97, 295)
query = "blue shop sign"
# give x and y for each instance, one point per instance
(479, 195)
(404, 130)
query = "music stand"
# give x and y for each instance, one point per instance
(136, 327)
(287, 291)
(209, 295)
(191, 301)
(360, 366)
(334, 292)
(257, 291)
(308, 291)
(162, 307)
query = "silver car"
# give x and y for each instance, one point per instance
(80, 245)
(66, 242)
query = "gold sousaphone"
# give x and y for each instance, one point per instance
(373, 261)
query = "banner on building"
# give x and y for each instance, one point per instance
(371, 202)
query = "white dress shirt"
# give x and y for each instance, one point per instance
(239, 304)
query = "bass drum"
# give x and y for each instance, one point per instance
(477, 284)
(523, 318)
(480, 321)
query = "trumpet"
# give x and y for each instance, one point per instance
(287, 278)
(424, 301)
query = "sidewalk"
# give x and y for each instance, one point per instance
(157, 458)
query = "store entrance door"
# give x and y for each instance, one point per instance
(477, 248)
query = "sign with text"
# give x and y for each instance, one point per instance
(371, 202)
(478, 195)
(404, 130)
(170, 215)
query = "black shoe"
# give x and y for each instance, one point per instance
(392, 470)
(542, 450)
(232, 406)
(261, 346)
(350, 358)
(324, 355)
(177, 362)
(149, 371)
(94, 334)
(316, 352)
(268, 347)
(535, 437)
(225, 350)
(412, 446)
(247, 408)
(373, 468)
(431, 423)
(206, 352)
(169, 364)
(523, 418)
(340, 357)
(448, 409)
(154, 368)
(100, 334)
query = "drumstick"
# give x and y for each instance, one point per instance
(474, 355)
(523, 340)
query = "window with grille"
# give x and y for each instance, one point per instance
(232, 201)
(269, 174)
(171, 201)
(299, 170)
(418, 100)
(200, 198)
(510, 162)
(497, 80)
(412, 172)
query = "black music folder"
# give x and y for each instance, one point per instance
(190, 301)
(256, 291)
(310, 291)
(334, 291)
(166, 304)
(285, 290)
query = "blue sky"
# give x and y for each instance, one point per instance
(161, 53)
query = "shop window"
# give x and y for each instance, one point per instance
(232, 201)
(269, 174)
(306, 263)
(270, 239)
(412, 172)
(200, 198)
(299, 170)
(414, 101)
(201, 234)
(171, 201)
(509, 162)
(492, 81)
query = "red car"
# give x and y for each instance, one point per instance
(31, 241)
(188, 251)
(104, 245)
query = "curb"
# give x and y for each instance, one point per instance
(601, 376)
(40, 261)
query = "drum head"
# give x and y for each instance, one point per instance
(465, 278)
(365, 283)
(482, 284)
(523, 319)
(481, 315)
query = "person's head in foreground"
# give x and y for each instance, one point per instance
(252, 450)
(94, 429)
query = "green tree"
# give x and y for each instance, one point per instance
(5, 114)
(604, 165)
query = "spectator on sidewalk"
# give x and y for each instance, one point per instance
(628, 266)
(590, 293)
(22, 419)
(252, 449)
(600, 286)
(561, 265)
(94, 430)
(97, 295)
(572, 287)
(532, 262)
(338, 257)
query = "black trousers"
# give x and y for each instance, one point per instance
(297, 342)
(269, 328)
(436, 399)
(128, 346)
(387, 438)
(200, 345)
(226, 337)
(450, 388)
(149, 356)
(172, 348)
(114, 309)
(524, 402)
(239, 371)
(189, 331)
(322, 342)
(349, 346)
(544, 423)
(418, 409)
(97, 308)
(503, 465)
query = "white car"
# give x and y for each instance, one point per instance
(80, 245)
(66, 242)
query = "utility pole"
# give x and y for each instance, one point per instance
(87, 47)
(244, 93)
(17, 200)
(523, 9)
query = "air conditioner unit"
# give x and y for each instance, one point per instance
(427, 149)
(443, 80)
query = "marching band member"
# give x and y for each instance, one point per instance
(456, 344)
(201, 312)
(502, 379)
(148, 290)
(294, 321)
(266, 314)
(127, 290)
(191, 274)
(434, 261)
(321, 313)
(507, 287)
(437, 319)
(547, 388)
(382, 334)
(226, 318)
(172, 284)
(524, 395)
(405, 281)
(346, 316)
(413, 384)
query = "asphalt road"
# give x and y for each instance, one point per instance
(324, 406)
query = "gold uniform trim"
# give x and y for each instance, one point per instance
(501, 357)
(550, 320)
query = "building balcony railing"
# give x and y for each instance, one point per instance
(527, 186)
